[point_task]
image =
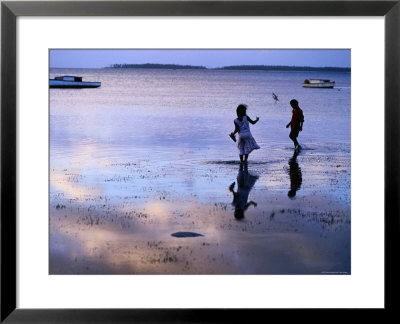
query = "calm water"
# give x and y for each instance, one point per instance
(148, 154)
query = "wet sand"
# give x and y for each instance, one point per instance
(290, 215)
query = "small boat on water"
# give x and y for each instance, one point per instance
(68, 81)
(318, 83)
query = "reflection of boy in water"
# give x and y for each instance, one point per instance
(245, 182)
(295, 176)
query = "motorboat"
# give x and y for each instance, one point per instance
(318, 83)
(68, 81)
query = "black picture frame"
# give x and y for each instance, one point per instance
(10, 10)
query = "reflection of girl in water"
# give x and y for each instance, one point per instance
(245, 182)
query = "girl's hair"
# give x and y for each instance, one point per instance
(241, 110)
(294, 103)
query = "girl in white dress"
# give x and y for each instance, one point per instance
(246, 142)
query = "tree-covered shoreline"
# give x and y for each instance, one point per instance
(232, 67)
(157, 66)
(283, 68)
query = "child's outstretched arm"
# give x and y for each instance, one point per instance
(233, 192)
(236, 129)
(249, 204)
(253, 121)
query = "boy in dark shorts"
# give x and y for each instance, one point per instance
(296, 124)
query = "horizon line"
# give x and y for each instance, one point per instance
(204, 67)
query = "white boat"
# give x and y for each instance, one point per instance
(318, 83)
(68, 81)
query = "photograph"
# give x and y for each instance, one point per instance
(199, 161)
(161, 159)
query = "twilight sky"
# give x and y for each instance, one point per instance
(208, 58)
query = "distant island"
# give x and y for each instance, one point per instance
(232, 67)
(283, 68)
(158, 66)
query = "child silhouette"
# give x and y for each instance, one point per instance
(246, 142)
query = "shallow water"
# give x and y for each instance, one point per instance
(148, 155)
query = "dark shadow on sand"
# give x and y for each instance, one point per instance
(237, 162)
(186, 234)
